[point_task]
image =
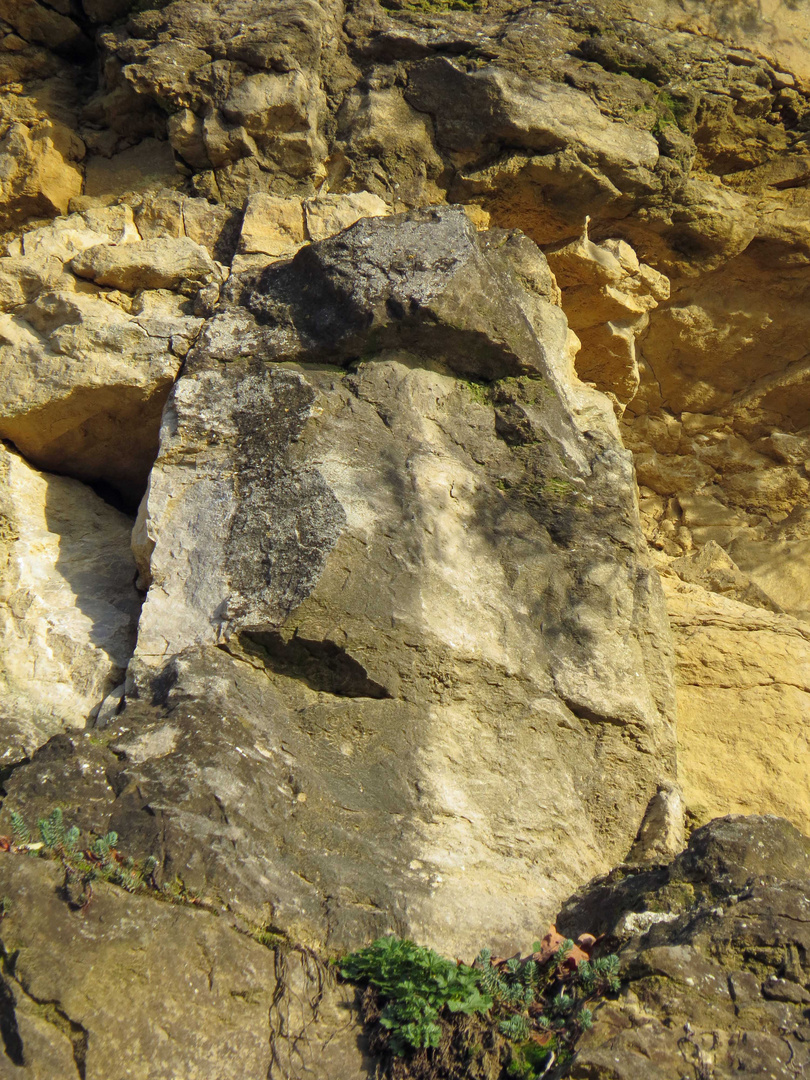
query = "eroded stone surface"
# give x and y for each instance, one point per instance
(682, 132)
(134, 987)
(714, 959)
(86, 370)
(457, 569)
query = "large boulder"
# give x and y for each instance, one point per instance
(346, 538)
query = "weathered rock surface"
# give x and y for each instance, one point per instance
(608, 296)
(714, 959)
(377, 548)
(86, 370)
(400, 612)
(177, 265)
(135, 987)
(743, 677)
(68, 606)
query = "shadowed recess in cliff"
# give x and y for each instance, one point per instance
(9, 1029)
(322, 665)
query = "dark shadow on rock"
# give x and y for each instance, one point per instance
(322, 665)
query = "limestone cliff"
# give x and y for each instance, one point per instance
(367, 367)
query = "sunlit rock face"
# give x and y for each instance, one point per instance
(68, 608)
(403, 662)
(384, 544)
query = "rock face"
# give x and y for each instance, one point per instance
(344, 537)
(403, 661)
(87, 369)
(743, 692)
(714, 958)
(199, 999)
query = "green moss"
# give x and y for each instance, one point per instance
(670, 110)
(556, 488)
(272, 939)
(542, 489)
(527, 389)
(478, 391)
(675, 896)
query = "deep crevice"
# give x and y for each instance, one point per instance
(9, 1029)
(584, 712)
(51, 1012)
(7, 771)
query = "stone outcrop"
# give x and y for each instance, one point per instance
(403, 661)
(608, 296)
(88, 369)
(714, 959)
(343, 533)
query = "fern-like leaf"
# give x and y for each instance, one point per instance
(21, 834)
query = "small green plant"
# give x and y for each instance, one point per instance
(100, 861)
(417, 985)
(670, 110)
(539, 1008)
(478, 391)
(21, 834)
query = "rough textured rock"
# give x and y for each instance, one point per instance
(743, 681)
(135, 987)
(87, 370)
(68, 606)
(38, 173)
(423, 584)
(608, 295)
(453, 570)
(714, 959)
(178, 265)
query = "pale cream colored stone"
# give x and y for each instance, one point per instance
(69, 236)
(176, 264)
(68, 606)
(86, 372)
(743, 677)
(390, 147)
(23, 277)
(662, 834)
(275, 227)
